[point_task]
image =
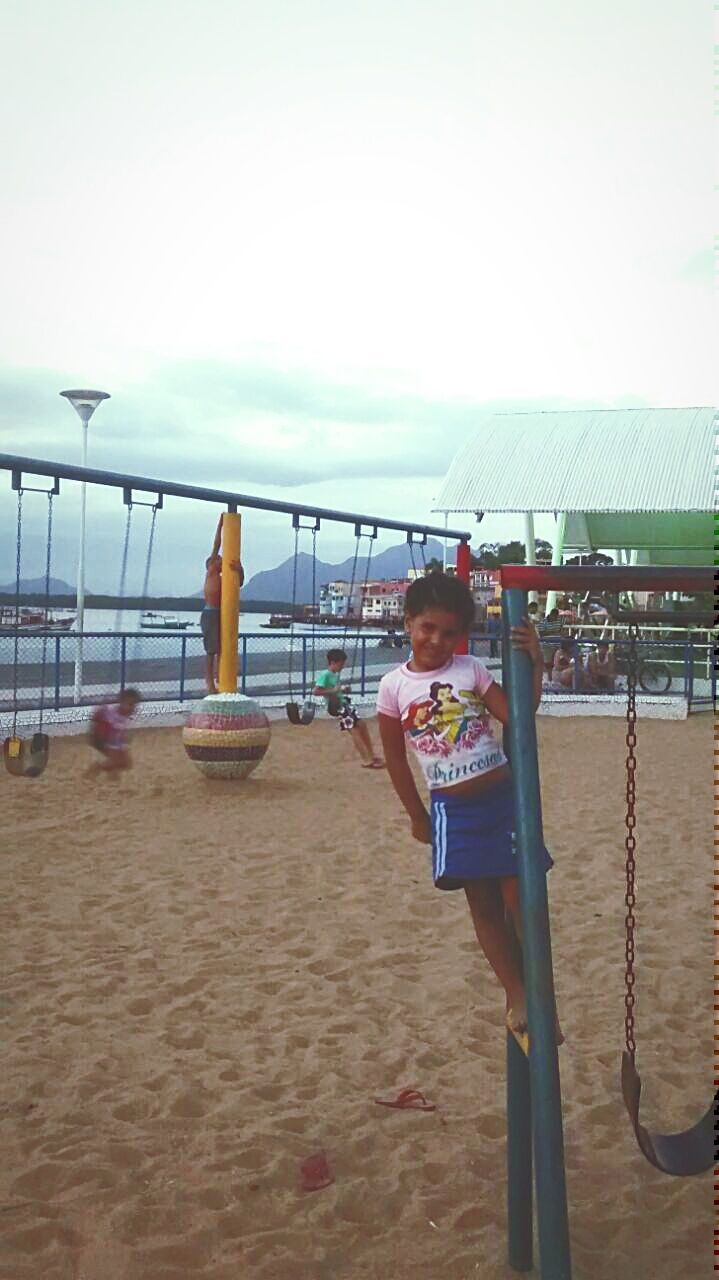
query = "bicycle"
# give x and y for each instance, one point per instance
(653, 675)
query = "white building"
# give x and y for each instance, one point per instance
(484, 584)
(384, 601)
(336, 602)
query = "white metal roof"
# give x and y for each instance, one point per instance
(586, 460)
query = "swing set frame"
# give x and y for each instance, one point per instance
(365, 526)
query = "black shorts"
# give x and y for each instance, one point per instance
(210, 627)
(349, 718)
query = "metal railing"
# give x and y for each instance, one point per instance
(168, 667)
(667, 668)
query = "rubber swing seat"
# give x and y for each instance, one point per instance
(300, 715)
(26, 758)
(681, 1154)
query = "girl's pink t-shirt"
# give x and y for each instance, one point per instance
(444, 719)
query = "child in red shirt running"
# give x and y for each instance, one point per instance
(108, 733)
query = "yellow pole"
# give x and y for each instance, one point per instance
(229, 603)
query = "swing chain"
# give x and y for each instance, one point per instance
(150, 545)
(123, 568)
(315, 606)
(630, 842)
(294, 605)
(350, 596)
(48, 566)
(355, 651)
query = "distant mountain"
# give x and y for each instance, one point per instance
(31, 586)
(276, 584)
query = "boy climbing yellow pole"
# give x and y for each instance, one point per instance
(215, 588)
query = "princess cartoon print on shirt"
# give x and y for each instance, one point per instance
(446, 720)
(448, 712)
(418, 719)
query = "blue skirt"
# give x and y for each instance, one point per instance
(474, 837)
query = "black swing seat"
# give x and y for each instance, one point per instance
(26, 758)
(682, 1154)
(300, 715)
(334, 705)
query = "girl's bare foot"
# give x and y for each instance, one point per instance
(517, 1013)
(517, 1019)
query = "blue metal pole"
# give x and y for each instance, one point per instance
(243, 666)
(304, 666)
(123, 654)
(183, 656)
(363, 668)
(552, 1217)
(689, 673)
(519, 1122)
(519, 1159)
(57, 673)
(145, 484)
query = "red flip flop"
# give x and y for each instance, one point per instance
(316, 1173)
(407, 1100)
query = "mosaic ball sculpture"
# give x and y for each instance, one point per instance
(226, 735)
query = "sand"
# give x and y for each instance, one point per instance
(204, 983)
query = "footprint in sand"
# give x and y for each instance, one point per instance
(42, 1182)
(189, 1105)
(35, 1240)
(131, 1112)
(185, 1040)
(139, 1008)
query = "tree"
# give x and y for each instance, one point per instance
(512, 553)
(486, 556)
(434, 565)
(490, 555)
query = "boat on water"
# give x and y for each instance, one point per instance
(29, 619)
(162, 622)
(278, 622)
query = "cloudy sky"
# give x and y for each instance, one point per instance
(306, 243)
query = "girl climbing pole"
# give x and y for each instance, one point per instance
(440, 703)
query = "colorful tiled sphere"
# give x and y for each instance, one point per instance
(226, 735)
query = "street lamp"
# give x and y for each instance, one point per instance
(84, 403)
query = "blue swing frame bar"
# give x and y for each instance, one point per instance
(230, 499)
(534, 1102)
(20, 466)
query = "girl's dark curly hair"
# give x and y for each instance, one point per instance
(439, 591)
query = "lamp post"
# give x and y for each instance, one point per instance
(84, 403)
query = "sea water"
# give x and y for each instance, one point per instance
(102, 626)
